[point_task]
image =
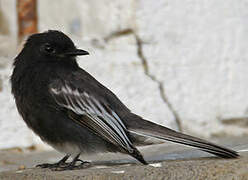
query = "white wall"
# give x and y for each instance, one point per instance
(196, 54)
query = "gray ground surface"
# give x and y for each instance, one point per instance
(168, 161)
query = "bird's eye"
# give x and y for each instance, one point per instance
(48, 48)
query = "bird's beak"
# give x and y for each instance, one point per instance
(77, 52)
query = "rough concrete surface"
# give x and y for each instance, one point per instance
(167, 161)
(184, 169)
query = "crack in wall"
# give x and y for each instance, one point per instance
(139, 44)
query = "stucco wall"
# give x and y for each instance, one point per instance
(182, 64)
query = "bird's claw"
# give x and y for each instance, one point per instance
(65, 166)
(55, 165)
(71, 166)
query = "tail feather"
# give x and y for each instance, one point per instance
(149, 129)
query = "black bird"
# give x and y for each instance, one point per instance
(74, 113)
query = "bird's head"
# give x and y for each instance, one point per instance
(50, 46)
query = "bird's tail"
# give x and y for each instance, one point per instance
(146, 128)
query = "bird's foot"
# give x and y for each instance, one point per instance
(73, 166)
(61, 163)
(54, 165)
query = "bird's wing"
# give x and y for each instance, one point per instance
(87, 110)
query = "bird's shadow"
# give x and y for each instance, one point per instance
(185, 155)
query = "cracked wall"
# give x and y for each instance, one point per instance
(180, 64)
(140, 54)
(197, 50)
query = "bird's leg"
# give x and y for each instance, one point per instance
(61, 163)
(72, 165)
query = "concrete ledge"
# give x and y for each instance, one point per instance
(168, 161)
(202, 168)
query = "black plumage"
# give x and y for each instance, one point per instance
(74, 113)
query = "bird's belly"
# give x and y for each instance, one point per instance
(64, 135)
(74, 148)
(67, 148)
(68, 137)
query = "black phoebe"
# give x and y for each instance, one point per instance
(74, 113)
